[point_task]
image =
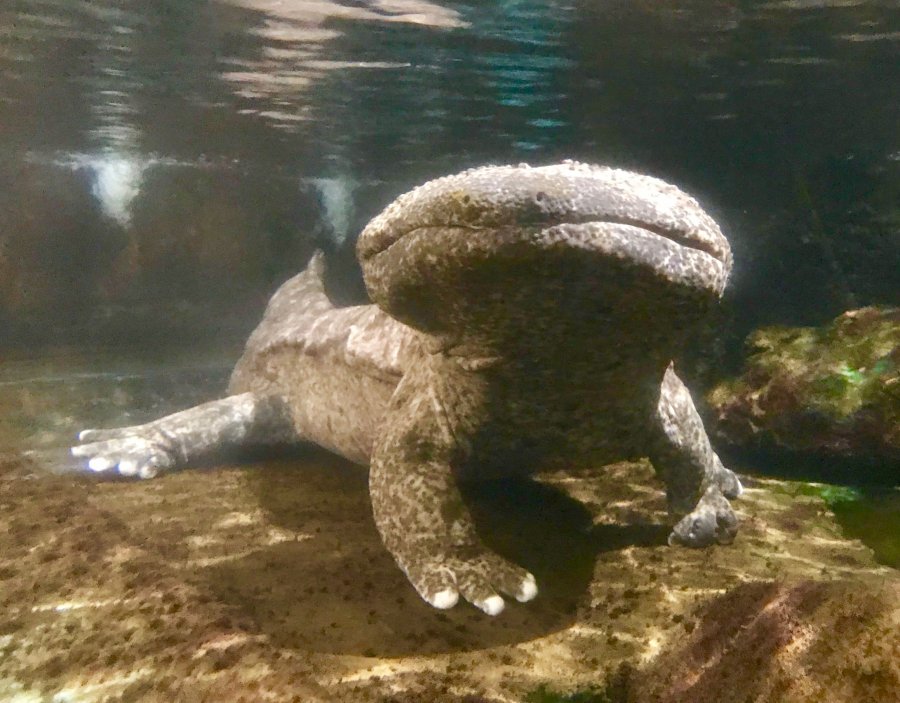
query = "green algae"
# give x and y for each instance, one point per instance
(830, 494)
(833, 389)
(840, 367)
(868, 513)
(874, 518)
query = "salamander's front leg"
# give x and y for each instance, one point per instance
(697, 484)
(421, 516)
(177, 440)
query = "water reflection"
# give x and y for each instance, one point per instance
(337, 204)
(295, 55)
(117, 180)
(148, 149)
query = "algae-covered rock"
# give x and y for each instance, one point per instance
(833, 390)
(771, 642)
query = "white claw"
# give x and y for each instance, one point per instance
(528, 590)
(445, 599)
(77, 451)
(740, 489)
(492, 606)
(128, 467)
(100, 463)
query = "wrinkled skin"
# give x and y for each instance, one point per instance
(524, 318)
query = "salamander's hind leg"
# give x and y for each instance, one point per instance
(176, 440)
(697, 484)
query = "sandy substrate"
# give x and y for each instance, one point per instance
(269, 582)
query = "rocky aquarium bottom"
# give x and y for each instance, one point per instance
(270, 583)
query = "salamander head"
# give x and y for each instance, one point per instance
(469, 250)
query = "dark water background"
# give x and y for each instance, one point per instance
(165, 165)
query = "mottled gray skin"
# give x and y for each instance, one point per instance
(524, 318)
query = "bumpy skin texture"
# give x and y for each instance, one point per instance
(525, 318)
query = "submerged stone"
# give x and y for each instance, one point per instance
(791, 642)
(832, 390)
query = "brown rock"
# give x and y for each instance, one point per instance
(786, 642)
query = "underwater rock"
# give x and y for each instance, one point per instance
(801, 642)
(51, 257)
(143, 253)
(832, 390)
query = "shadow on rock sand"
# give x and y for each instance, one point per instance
(333, 588)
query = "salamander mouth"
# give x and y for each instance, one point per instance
(680, 238)
(537, 230)
(672, 255)
(568, 205)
